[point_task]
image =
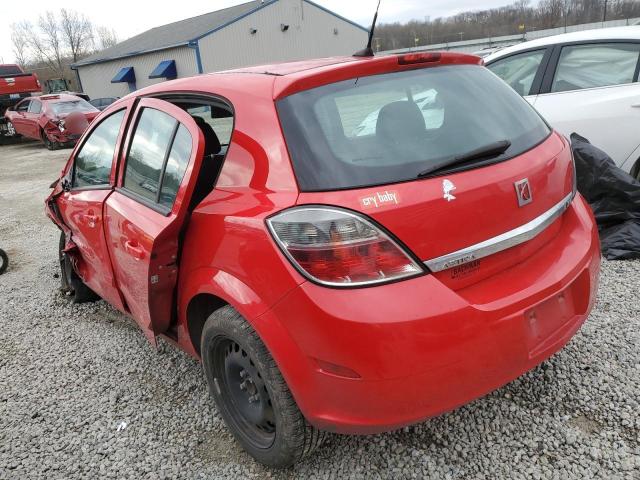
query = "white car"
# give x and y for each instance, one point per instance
(584, 82)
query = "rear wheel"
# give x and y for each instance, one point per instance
(251, 394)
(51, 145)
(4, 261)
(71, 283)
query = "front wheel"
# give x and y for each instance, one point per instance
(251, 394)
(50, 144)
(71, 283)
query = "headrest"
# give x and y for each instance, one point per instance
(211, 143)
(400, 121)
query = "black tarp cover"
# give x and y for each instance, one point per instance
(614, 196)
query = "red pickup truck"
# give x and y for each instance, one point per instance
(15, 85)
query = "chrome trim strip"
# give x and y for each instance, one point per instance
(509, 239)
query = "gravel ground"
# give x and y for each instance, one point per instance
(72, 377)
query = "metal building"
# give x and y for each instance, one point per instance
(253, 33)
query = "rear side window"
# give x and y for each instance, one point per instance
(595, 65)
(9, 70)
(389, 128)
(158, 157)
(35, 106)
(92, 165)
(519, 70)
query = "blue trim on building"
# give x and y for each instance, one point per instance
(165, 69)
(231, 22)
(132, 54)
(196, 48)
(125, 74)
(336, 15)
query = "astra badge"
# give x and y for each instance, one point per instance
(523, 192)
(447, 188)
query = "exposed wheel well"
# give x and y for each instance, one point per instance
(200, 308)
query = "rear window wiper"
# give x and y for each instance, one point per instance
(487, 151)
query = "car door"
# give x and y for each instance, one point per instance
(87, 184)
(592, 89)
(18, 119)
(148, 210)
(523, 71)
(31, 118)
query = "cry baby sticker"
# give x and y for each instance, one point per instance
(380, 199)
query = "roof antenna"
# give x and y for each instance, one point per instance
(368, 51)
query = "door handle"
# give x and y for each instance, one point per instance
(133, 249)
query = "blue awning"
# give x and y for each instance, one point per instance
(126, 74)
(165, 69)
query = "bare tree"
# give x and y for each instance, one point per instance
(45, 42)
(107, 37)
(76, 31)
(20, 48)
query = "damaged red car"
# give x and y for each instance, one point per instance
(58, 120)
(349, 244)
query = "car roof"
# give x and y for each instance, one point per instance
(616, 33)
(284, 79)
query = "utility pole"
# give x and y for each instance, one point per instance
(604, 14)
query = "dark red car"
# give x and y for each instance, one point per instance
(57, 120)
(331, 276)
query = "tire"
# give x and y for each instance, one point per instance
(71, 283)
(4, 261)
(270, 428)
(48, 143)
(11, 131)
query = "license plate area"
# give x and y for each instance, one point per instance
(549, 317)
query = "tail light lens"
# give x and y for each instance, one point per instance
(339, 248)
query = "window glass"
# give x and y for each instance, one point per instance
(518, 71)
(79, 105)
(389, 128)
(23, 107)
(220, 120)
(93, 161)
(595, 65)
(35, 106)
(176, 166)
(147, 152)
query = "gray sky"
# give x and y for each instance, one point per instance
(130, 17)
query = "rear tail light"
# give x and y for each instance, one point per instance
(339, 248)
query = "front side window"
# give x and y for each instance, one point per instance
(158, 157)
(23, 106)
(393, 127)
(519, 71)
(595, 65)
(93, 162)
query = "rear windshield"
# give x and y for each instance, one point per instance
(389, 128)
(72, 106)
(9, 70)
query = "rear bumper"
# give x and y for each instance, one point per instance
(419, 348)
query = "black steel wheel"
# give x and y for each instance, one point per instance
(4, 261)
(251, 394)
(245, 391)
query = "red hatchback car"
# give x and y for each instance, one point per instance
(333, 277)
(57, 120)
